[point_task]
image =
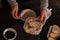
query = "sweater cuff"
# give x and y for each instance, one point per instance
(12, 2)
(44, 8)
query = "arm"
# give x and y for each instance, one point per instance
(14, 6)
(12, 2)
(45, 12)
(44, 4)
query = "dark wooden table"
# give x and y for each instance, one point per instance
(6, 21)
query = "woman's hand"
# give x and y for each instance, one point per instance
(45, 14)
(15, 12)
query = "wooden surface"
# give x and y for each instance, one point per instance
(6, 21)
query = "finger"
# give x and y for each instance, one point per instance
(14, 14)
(44, 18)
(17, 15)
(41, 17)
(44, 22)
(42, 14)
(13, 11)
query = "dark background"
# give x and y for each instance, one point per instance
(6, 20)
